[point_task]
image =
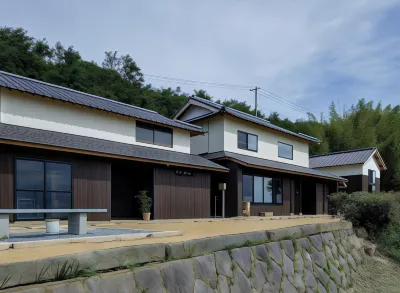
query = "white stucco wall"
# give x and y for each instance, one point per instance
(350, 170)
(193, 111)
(347, 170)
(267, 142)
(22, 109)
(371, 165)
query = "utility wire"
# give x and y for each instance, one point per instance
(284, 100)
(262, 92)
(194, 82)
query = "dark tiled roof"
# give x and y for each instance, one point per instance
(273, 165)
(351, 157)
(76, 142)
(250, 118)
(44, 89)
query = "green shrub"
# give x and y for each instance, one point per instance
(145, 201)
(379, 213)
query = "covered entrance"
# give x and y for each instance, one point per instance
(127, 179)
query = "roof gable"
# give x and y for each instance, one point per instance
(32, 86)
(349, 157)
(218, 108)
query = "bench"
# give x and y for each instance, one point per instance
(77, 218)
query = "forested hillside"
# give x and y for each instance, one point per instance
(120, 78)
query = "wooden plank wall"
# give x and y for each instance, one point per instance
(91, 178)
(319, 189)
(181, 197)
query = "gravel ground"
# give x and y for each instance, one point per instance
(378, 275)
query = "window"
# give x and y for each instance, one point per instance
(371, 180)
(153, 134)
(262, 190)
(285, 151)
(247, 141)
(42, 185)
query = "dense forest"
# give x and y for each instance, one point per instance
(120, 78)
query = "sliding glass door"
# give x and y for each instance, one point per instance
(42, 185)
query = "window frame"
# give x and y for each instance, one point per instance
(274, 197)
(44, 190)
(279, 143)
(371, 184)
(247, 141)
(154, 128)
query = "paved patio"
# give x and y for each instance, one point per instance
(191, 229)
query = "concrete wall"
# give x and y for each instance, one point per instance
(317, 258)
(267, 142)
(27, 110)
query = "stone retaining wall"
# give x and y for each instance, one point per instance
(309, 258)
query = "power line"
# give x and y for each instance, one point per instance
(195, 82)
(289, 105)
(263, 92)
(274, 96)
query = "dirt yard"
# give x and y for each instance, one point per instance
(192, 229)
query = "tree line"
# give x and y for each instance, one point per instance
(119, 78)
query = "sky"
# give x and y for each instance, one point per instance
(309, 52)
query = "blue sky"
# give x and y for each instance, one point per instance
(310, 52)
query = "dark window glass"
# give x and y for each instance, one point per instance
(58, 177)
(247, 141)
(163, 138)
(30, 175)
(285, 151)
(252, 142)
(42, 185)
(277, 187)
(268, 190)
(144, 134)
(247, 188)
(242, 140)
(29, 200)
(153, 134)
(58, 200)
(258, 189)
(371, 180)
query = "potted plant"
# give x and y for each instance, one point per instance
(145, 203)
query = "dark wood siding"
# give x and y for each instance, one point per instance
(378, 184)
(91, 178)
(91, 185)
(320, 198)
(355, 183)
(181, 197)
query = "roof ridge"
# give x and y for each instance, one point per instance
(76, 91)
(343, 152)
(255, 119)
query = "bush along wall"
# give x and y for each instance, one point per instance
(308, 258)
(378, 213)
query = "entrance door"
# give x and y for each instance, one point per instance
(297, 197)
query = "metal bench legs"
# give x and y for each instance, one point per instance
(4, 226)
(77, 223)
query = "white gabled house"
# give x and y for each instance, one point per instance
(269, 165)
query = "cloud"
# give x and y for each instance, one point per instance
(309, 52)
